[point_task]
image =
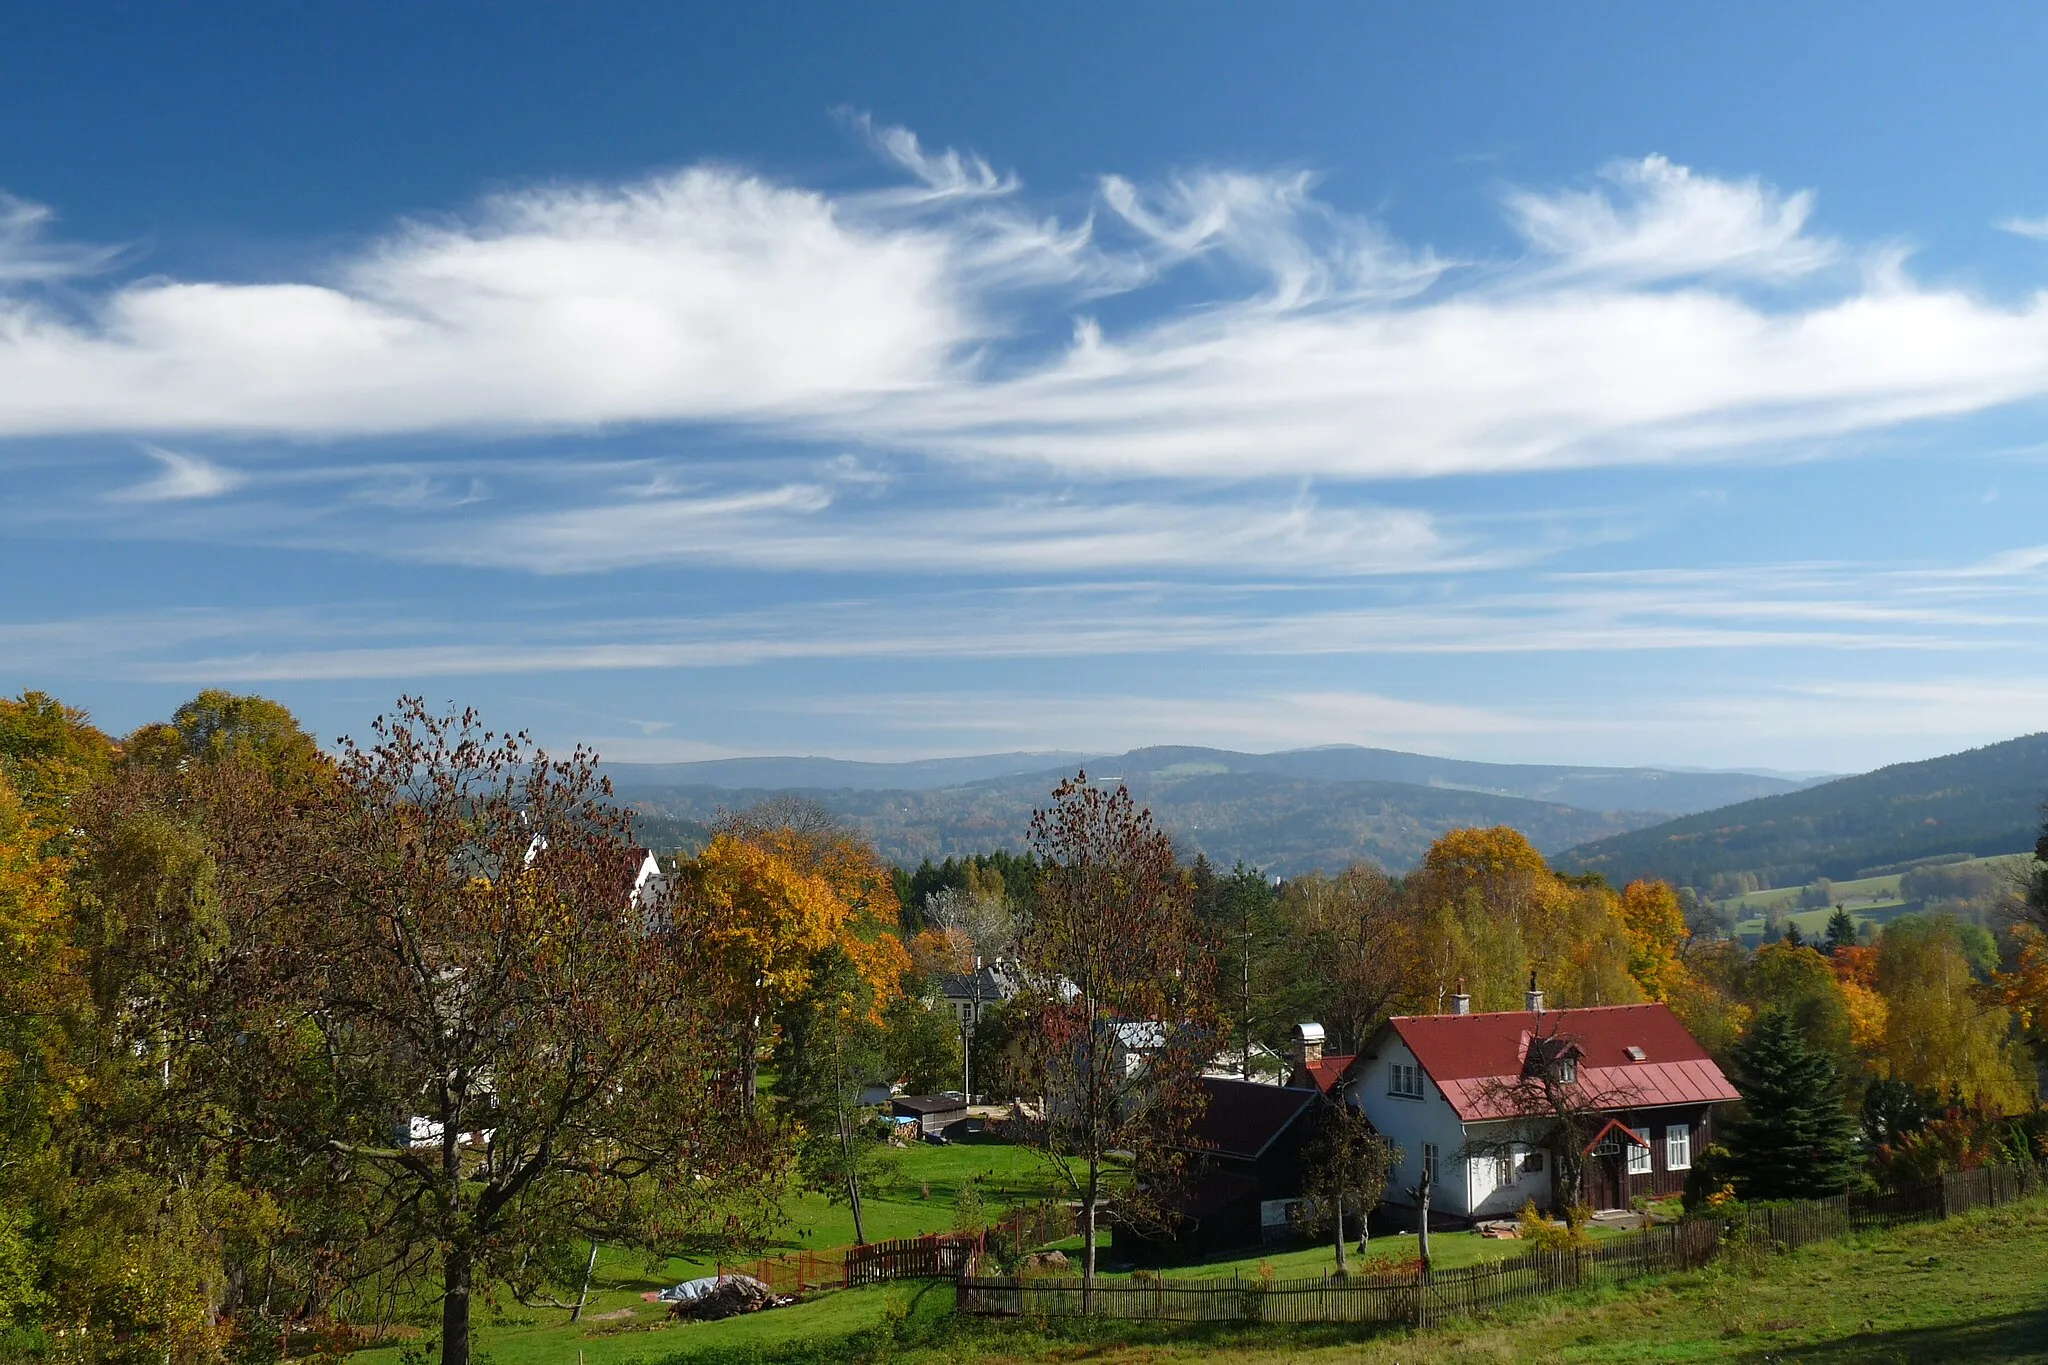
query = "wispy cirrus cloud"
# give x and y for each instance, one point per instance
(182, 478)
(1627, 330)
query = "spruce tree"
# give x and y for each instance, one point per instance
(1794, 1140)
(1841, 929)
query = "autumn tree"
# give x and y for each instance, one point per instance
(1487, 909)
(1657, 935)
(1344, 1175)
(1113, 955)
(1941, 1031)
(1798, 983)
(775, 890)
(1351, 947)
(427, 987)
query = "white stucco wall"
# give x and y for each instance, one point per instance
(1490, 1197)
(1409, 1124)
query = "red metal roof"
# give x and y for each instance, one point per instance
(1322, 1074)
(1471, 1057)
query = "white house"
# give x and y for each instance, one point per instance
(1451, 1091)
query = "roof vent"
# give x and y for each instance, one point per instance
(1635, 1054)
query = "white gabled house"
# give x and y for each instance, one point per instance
(1447, 1089)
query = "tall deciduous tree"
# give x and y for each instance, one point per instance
(429, 987)
(1794, 1140)
(1122, 1018)
(1941, 1032)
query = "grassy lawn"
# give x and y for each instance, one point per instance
(1971, 1289)
(918, 1198)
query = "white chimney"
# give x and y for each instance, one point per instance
(1535, 997)
(1461, 1003)
(1308, 1044)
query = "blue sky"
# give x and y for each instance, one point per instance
(1636, 384)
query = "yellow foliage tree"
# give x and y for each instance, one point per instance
(40, 987)
(1486, 908)
(1940, 1031)
(1656, 933)
(769, 901)
(941, 950)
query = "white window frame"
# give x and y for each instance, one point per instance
(1640, 1161)
(1678, 1147)
(1429, 1162)
(1404, 1081)
(1504, 1171)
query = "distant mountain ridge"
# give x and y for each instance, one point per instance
(1285, 813)
(838, 774)
(1588, 788)
(1983, 801)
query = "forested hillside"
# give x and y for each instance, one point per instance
(1286, 812)
(1984, 801)
(1282, 825)
(1589, 788)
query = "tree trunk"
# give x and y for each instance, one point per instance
(584, 1297)
(852, 1178)
(455, 1287)
(1088, 1202)
(1423, 1235)
(1343, 1266)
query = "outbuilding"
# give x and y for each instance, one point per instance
(932, 1112)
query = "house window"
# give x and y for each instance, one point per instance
(1429, 1161)
(1403, 1079)
(1568, 1070)
(1532, 1164)
(1504, 1170)
(1639, 1155)
(1677, 1147)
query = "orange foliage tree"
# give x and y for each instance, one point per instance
(770, 899)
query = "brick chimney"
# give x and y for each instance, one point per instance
(1308, 1044)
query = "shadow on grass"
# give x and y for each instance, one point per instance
(2002, 1340)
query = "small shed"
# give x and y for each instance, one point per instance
(932, 1112)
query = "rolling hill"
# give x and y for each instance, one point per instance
(1286, 813)
(1596, 789)
(1983, 801)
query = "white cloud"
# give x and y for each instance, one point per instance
(184, 478)
(27, 257)
(1672, 223)
(796, 526)
(2036, 228)
(909, 318)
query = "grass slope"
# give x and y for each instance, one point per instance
(1971, 1289)
(1985, 801)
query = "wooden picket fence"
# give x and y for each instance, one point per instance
(1470, 1291)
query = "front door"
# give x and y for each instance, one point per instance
(1603, 1182)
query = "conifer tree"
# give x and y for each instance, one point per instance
(1795, 1140)
(1841, 929)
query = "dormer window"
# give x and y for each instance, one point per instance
(1568, 1070)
